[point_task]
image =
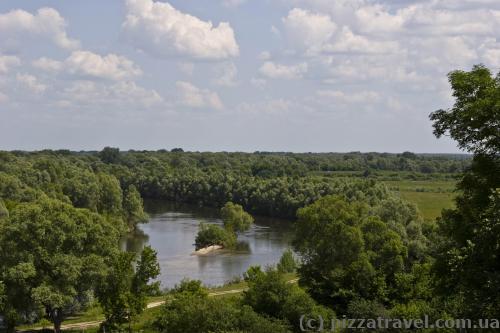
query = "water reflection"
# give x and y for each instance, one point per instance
(172, 229)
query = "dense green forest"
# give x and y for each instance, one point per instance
(364, 251)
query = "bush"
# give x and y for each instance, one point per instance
(287, 263)
(193, 311)
(210, 234)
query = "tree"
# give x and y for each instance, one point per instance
(270, 294)
(51, 255)
(211, 234)
(133, 207)
(287, 263)
(235, 218)
(191, 310)
(110, 155)
(123, 293)
(467, 265)
(347, 254)
(4, 212)
(474, 120)
(110, 195)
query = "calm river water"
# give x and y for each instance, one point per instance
(172, 229)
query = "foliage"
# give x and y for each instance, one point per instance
(467, 265)
(235, 218)
(193, 311)
(474, 120)
(287, 263)
(269, 294)
(350, 254)
(51, 254)
(133, 207)
(123, 292)
(211, 234)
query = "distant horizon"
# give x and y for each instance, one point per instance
(124, 150)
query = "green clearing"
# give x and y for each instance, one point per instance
(430, 196)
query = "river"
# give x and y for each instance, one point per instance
(172, 229)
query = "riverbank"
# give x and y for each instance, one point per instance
(207, 250)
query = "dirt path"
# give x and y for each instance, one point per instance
(90, 324)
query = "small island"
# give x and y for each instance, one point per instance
(211, 237)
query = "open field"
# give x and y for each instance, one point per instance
(430, 196)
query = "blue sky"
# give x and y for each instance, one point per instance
(236, 75)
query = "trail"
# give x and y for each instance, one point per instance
(90, 324)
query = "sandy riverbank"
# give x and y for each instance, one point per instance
(207, 250)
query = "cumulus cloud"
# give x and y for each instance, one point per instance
(86, 93)
(91, 65)
(162, 30)
(7, 62)
(307, 31)
(278, 71)
(31, 82)
(191, 96)
(111, 66)
(413, 43)
(46, 23)
(312, 34)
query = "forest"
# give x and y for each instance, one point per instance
(360, 250)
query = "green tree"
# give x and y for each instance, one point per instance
(51, 255)
(110, 155)
(110, 195)
(347, 254)
(4, 212)
(133, 207)
(270, 294)
(123, 293)
(287, 263)
(467, 264)
(235, 218)
(211, 234)
(191, 310)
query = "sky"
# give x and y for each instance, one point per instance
(236, 75)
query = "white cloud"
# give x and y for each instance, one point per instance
(347, 41)
(226, 74)
(194, 97)
(91, 65)
(97, 94)
(278, 71)
(7, 62)
(162, 30)
(308, 31)
(46, 23)
(47, 64)
(31, 82)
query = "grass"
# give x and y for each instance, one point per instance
(430, 196)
